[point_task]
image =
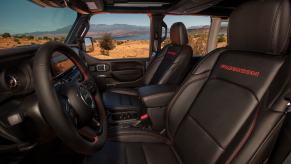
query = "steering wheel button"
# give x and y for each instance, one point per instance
(14, 119)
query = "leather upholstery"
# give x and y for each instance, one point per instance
(135, 153)
(231, 106)
(136, 135)
(271, 37)
(125, 100)
(224, 106)
(124, 91)
(178, 34)
(157, 95)
(170, 66)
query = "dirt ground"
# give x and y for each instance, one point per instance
(221, 44)
(124, 49)
(15, 42)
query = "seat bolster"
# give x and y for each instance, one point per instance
(136, 135)
(154, 65)
(124, 91)
(190, 88)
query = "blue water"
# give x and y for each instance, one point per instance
(138, 37)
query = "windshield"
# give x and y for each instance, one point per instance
(25, 23)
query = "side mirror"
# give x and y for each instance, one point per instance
(88, 45)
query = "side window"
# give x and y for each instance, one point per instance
(120, 36)
(222, 35)
(198, 30)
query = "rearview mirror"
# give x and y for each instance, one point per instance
(88, 44)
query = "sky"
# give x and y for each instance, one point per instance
(22, 16)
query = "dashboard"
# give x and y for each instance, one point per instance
(18, 103)
(16, 76)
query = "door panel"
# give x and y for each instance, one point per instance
(127, 75)
(117, 73)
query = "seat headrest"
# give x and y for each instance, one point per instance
(261, 26)
(178, 34)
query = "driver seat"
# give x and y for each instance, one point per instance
(231, 106)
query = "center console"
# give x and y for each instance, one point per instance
(146, 109)
(156, 99)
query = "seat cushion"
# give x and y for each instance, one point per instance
(136, 135)
(134, 153)
(116, 102)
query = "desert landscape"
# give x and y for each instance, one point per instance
(9, 41)
(140, 48)
(13, 42)
(123, 49)
(124, 41)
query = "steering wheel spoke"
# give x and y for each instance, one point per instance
(69, 111)
(93, 129)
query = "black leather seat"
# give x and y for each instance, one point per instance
(169, 67)
(231, 106)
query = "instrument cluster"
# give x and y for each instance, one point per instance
(16, 79)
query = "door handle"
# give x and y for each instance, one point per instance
(102, 67)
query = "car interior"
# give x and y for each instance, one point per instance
(186, 101)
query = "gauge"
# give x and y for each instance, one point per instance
(16, 79)
(12, 81)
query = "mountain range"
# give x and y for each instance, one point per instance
(97, 30)
(59, 32)
(116, 30)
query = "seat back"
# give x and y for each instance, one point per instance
(173, 62)
(229, 108)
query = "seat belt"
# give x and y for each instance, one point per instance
(155, 49)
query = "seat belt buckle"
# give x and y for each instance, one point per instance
(144, 117)
(143, 122)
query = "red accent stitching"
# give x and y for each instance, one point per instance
(172, 53)
(244, 139)
(240, 70)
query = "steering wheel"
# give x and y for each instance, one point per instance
(74, 110)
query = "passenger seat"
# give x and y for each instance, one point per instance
(169, 67)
